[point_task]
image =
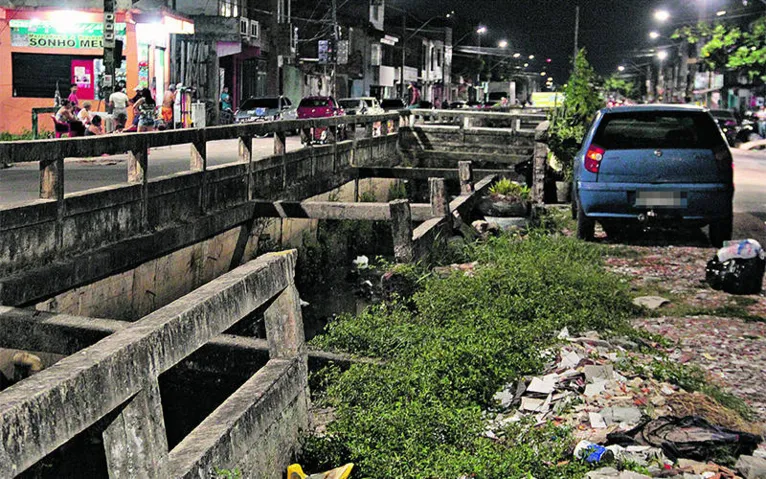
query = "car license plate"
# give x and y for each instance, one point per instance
(661, 199)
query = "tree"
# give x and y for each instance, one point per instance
(742, 51)
(569, 123)
(615, 84)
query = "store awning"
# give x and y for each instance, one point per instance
(156, 12)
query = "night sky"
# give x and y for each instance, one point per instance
(609, 29)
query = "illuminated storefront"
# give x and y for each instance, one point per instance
(46, 50)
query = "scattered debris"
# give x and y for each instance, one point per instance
(751, 467)
(737, 268)
(361, 262)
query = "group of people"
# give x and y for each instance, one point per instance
(82, 122)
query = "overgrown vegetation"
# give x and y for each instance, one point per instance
(449, 349)
(24, 135)
(570, 122)
(510, 189)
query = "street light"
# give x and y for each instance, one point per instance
(531, 57)
(662, 55)
(620, 68)
(720, 13)
(654, 35)
(661, 15)
(503, 44)
(517, 55)
(481, 30)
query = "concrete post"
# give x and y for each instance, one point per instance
(466, 124)
(52, 179)
(369, 130)
(284, 325)
(246, 156)
(199, 153)
(280, 145)
(384, 128)
(439, 199)
(137, 165)
(135, 442)
(401, 229)
(465, 172)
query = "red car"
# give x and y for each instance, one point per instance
(321, 107)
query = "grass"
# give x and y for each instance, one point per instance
(449, 349)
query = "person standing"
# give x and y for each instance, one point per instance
(73, 100)
(118, 102)
(168, 101)
(225, 99)
(146, 111)
(761, 116)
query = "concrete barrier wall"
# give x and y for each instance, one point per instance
(114, 383)
(50, 246)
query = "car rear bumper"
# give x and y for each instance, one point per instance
(700, 201)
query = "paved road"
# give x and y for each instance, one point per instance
(20, 182)
(750, 195)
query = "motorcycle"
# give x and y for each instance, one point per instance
(748, 132)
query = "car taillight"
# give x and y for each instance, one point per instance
(593, 158)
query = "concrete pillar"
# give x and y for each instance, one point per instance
(52, 179)
(137, 165)
(135, 442)
(246, 156)
(465, 172)
(439, 198)
(401, 229)
(280, 145)
(369, 130)
(198, 155)
(284, 325)
(384, 128)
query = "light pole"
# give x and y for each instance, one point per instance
(479, 32)
(662, 55)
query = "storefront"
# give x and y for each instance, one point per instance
(47, 50)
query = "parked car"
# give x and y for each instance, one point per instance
(728, 123)
(422, 105)
(265, 109)
(458, 105)
(361, 106)
(653, 163)
(321, 107)
(391, 104)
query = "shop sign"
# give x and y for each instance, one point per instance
(41, 34)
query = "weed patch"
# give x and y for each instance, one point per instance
(447, 352)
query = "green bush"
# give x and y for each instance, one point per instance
(570, 122)
(24, 135)
(446, 354)
(506, 187)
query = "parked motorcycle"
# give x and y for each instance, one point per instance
(747, 132)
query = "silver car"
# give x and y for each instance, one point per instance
(361, 106)
(266, 109)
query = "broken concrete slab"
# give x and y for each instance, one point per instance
(595, 389)
(545, 385)
(604, 473)
(621, 415)
(751, 467)
(593, 373)
(651, 302)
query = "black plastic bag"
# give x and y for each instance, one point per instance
(691, 437)
(736, 276)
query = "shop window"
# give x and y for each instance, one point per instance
(375, 55)
(229, 8)
(31, 81)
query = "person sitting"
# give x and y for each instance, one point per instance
(95, 129)
(120, 120)
(66, 115)
(84, 114)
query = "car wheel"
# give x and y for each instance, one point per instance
(720, 231)
(586, 227)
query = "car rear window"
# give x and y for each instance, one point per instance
(254, 103)
(349, 103)
(313, 102)
(652, 130)
(392, 104)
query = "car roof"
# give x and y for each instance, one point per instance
(317, 97)
(358, 98)
(654, 107)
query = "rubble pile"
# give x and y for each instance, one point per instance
(615, 414)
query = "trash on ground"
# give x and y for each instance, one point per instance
(737, 268)
(296, 472)
(651, 302)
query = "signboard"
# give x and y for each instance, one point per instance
(40, 34)
(543, 99)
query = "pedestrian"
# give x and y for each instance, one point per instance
(118, 102)
(66, 115)
(146, 111)
(225, 99)
(761, 116)
(95, 129)
(168, 101)
(73, 97)
(133, 102)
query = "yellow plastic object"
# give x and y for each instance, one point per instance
(296, 472)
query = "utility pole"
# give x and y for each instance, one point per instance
(576, 34)
(404, 53)
(109, 43)
(335, 39)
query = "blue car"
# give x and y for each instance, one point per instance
(653, 163)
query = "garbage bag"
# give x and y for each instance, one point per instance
(690, 437)
(296, 472)
(737, 268)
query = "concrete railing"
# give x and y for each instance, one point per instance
(86, 236)
(516, 120)
(113, 386)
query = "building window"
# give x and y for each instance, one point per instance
(375, 55)
(255, 30)
(229, 8)
(376, 13)
(438, 55)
